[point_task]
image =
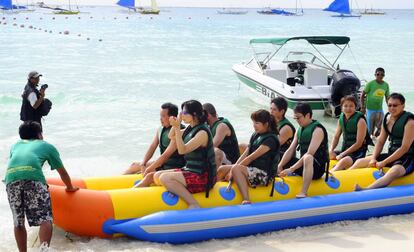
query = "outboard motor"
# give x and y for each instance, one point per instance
(344, 82)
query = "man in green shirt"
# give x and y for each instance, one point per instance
(374, 93)
(26, 187)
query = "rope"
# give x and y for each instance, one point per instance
(356, 62)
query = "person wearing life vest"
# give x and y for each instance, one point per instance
(169, 157)
(226, 146)
(196, 144)
(32, 98)
(258, 163)
(278, 108)
(311, 139)
(398, 126)
(352, 126)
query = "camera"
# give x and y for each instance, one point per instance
(44, 86)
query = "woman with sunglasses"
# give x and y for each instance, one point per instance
(257, 165)
(353, 128)
(398, 125)
(374, 93)
(196, 144)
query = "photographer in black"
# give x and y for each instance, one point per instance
(34, 104)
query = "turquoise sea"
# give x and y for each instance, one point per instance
(107, 90)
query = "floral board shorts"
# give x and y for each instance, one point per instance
(256, 176)
(31, 199)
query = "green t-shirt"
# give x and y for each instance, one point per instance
(27, 158)
(375, 94)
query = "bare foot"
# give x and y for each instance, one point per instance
(301, 195)
(358, 188)
(193, 206)
(246, 202)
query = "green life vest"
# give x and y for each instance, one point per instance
(268, 161)
(229, 145)
(350, 129)
(202, 159)
(305, 137)
(280, 125)
(397, 132)
(176, 160)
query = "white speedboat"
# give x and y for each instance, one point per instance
(300, 76)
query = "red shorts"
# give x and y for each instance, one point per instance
(195, 182)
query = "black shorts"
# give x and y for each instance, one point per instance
(355, 155)
(318, 168)
(405, 161)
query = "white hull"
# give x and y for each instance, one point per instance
(314, 92)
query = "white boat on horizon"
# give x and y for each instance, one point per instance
(301, 76)
(279, 11)
(232, 11)
(372, 11)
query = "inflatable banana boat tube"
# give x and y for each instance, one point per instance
(90, 211)
(186, 226)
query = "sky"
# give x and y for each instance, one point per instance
(381, 4)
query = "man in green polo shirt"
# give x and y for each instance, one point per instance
(26, 186)
(374, 92)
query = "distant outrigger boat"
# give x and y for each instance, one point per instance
(301, 76)
(8, 7)
(372, 12)
(131, 5)
(343, 8)
(154, 10)
(68, 11)
(227, 11)
(278, 11)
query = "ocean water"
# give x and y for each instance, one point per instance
(106, 94)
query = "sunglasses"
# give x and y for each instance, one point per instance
(185, 112)
(393, 105)
(379, 74)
